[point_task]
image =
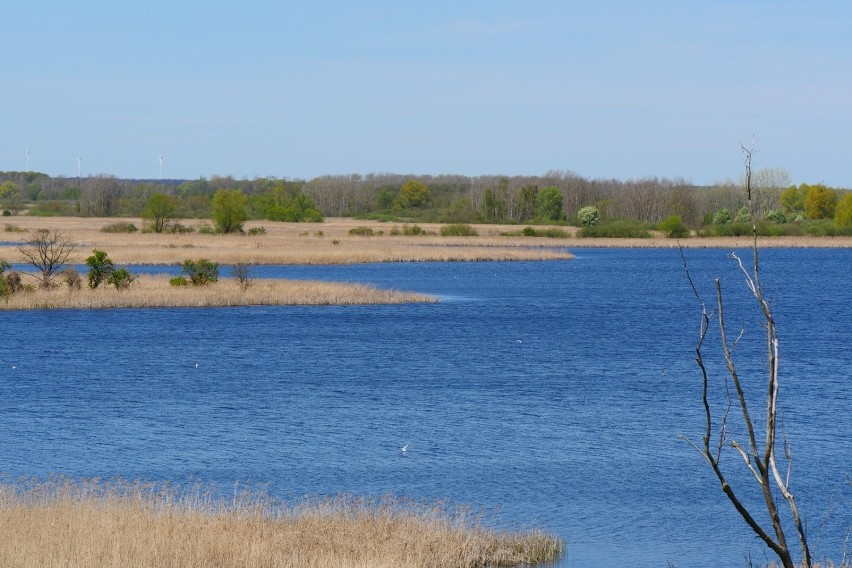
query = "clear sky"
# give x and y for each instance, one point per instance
(301, 89)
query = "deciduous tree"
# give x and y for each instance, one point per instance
(820, 202)
(48, 251)
(159, 211)
(229, 210)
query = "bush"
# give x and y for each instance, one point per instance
(7, 213)
(100, 268)
(123, 227)
(743, 215)
(777, 216)
(412, 230)
(722, 217)
(72, 278)
(458, 230)
(254, 231)
(674, 227)
(589, 216)
(177, 228)
(179, 281)
(616, 229)
(121, 279)
(361, 231)
(240, 271)
(201, 272)
(528, 232)
(10, 228)
(206, 229)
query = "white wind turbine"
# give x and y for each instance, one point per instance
(79, 165)
(160, 160)
(28, 159)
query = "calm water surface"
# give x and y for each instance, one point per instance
(551, 393)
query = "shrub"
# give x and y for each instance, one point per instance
(201, 272)
(776, 216)
(10, 228)
(240, 271)
(254, 231)
(335, 242)
(674, 227)
(179, 281)
(528, 232)
(589, 215)
(121, 278)
(72, 278)
(319, 234)
(743, 215)
(177, 228)
(229, 210)
(100, 268)
(7, 213)
(616, 229)
(843, 211)
(206, 229)
(122, 227)
(722, 217)
(458, 230)
(412, 230)
(361, 231)
(395, 231)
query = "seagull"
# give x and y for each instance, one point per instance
(196, 365)
(404, 448)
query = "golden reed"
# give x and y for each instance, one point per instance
(131, 524)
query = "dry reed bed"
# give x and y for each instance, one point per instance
(285, 243)
(155, 291)
(94, 524)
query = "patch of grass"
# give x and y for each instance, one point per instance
(255, 231)
(120, 227)
(10, 228)
(361, 231)
(458, 230)
(616, 230)
(550, 232)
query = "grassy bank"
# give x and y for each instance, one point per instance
(154, 291)
(135, 525)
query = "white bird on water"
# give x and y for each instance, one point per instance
(404, 448)
(196, 365)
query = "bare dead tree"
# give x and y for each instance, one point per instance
(48, 251)
(760, 460)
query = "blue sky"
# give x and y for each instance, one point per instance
(604, 89)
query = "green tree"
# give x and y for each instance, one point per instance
(527, 205)
(589, 215)
(100, 268)
(674, 227)
(793, 199)
(548, 204)
(843, 212)
(722, 217)
(159, 211)
(743, 215)
(415, 192)
(229, 210)
(820, 202)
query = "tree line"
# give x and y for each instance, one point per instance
(555, 197)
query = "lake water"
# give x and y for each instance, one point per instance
(551, 393)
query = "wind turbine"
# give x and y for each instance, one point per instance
(79, 166)
(160, 160)
(28, 159)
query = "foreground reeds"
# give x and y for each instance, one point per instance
(94, 524)
(155, 291)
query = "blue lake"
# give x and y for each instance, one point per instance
(551, 393)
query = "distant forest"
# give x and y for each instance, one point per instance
(556, 197)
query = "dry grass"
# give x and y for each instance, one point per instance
(155, 291)
(289, 243)
(123, 524)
